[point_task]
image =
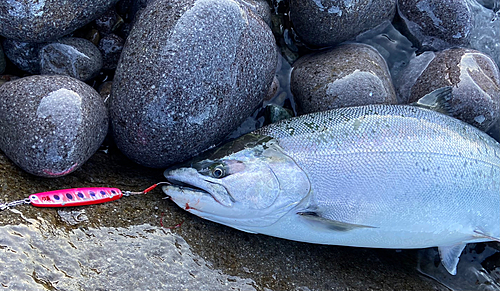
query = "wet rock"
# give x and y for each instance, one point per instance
(437, 24)
(472, 75)
(349, 75)
(190, 72)
(108, 22)
(23, 54)
(50, 124)
(111, 47)
(74, 57)
(325, 23)
(46, 20)
(2, 60)
(260, 8)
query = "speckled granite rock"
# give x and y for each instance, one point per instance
(190, 72)
(260, 8)
(46, 20)
(472, 75)
(71, 56)
(325, 23)
(349, 75)
(23, 54)
(111, 47)
(50, 124)
(437, 24)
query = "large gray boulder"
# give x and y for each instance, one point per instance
(45, 20)
(190, 72)
(348, 75)
(50, 125)
(326, 23)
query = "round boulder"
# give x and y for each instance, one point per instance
(473, 77)
(438, 24)
(190, 72)
(348, 75)
(326, 23)
(46, 20)
(50, 125)
(71, 56)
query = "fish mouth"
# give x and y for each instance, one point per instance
(201, 187)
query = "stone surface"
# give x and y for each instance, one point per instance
(23, 54)
(71, 56)
(348, 75)
(50, 124)
(438, 24)
(260, 8)
(472, 75)
(190, 73)
(46, 20)
(326, 23)
(111, 47)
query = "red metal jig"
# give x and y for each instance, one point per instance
(76, 197)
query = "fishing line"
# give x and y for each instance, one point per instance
(76, 197)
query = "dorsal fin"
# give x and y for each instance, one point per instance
(450, 256)
(437, 100)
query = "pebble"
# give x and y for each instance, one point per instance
(111, 47)
(437, 24)
(348, 75)
(326, 23)
(190, 73)
(23, 54)
(473, 76)
(42, 20)
(71, 56)
(50, 125)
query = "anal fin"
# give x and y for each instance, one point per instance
(450, 256)
(316, 218)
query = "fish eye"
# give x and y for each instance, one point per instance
(218, 171)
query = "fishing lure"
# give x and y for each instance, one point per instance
(75, 197)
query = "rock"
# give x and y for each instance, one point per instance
(50, 124)
(46, 20)
(71, 56)
(111, 47)
(348, 75)
(108, 22)
(190, 72)
(325, 23)
(437, 24)
(2, 60)
(23, 54)
(472, 75)
(260, 8)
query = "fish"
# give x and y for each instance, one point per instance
(375, 176)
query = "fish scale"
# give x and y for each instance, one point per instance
(383, 176)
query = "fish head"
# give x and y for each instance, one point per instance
(247, 183)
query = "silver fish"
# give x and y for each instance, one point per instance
(380, 176)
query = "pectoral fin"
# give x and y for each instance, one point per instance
(437, 100)
(450, 256)
(318, 220)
